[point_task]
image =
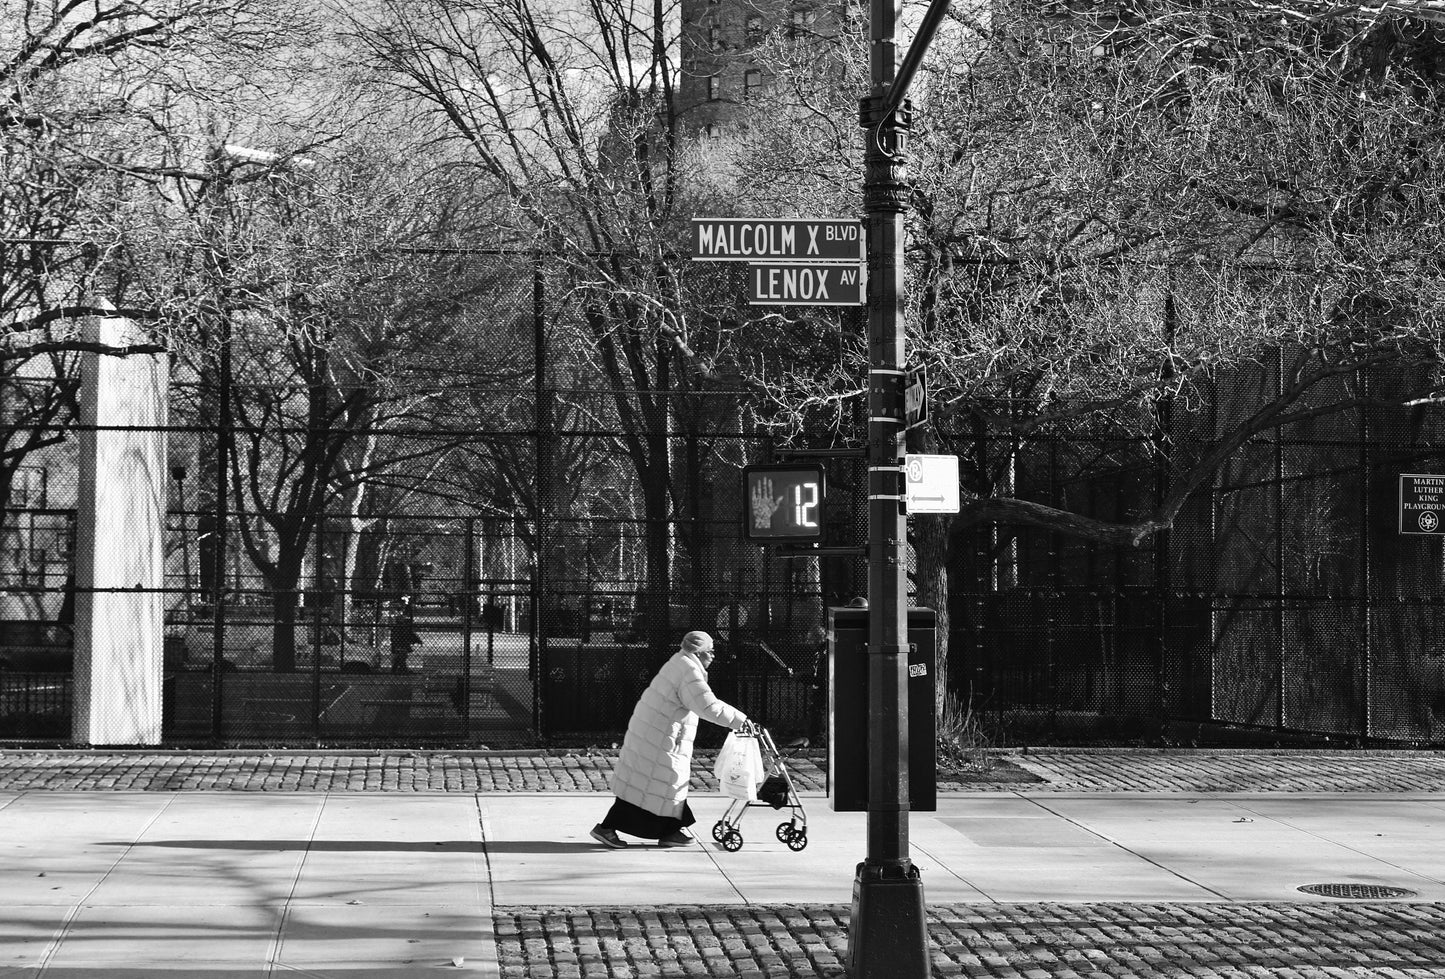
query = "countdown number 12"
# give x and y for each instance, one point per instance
(805, 511)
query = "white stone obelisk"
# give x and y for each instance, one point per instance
(120, 532)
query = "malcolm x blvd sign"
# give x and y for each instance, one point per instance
(791, 261)
(777, 240)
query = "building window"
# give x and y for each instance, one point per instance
(754, 28)
(713, 131)
(714, 37)
(713, 88)
(28, 486)
(752, 82)
(801, 23)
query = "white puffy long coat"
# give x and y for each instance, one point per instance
(656, 759)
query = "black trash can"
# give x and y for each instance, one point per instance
(848, 710)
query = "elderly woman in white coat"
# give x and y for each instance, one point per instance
(653, 769)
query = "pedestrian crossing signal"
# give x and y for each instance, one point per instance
(783, 503)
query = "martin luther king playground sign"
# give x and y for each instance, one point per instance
(1422, 503)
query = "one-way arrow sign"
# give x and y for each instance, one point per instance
(915, 397)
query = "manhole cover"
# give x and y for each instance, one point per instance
(1358, 892)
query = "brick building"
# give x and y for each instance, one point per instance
(719, 73)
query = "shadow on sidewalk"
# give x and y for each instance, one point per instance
(374, 846)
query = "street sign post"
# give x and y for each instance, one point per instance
(774, 240)
(930, 484)
(1422, 504)
(887, 926)
(805, 285)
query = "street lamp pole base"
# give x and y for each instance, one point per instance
(887, 930)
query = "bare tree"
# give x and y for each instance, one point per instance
(1109, 212)
(570, 109)
(82, 90)
(348, 324)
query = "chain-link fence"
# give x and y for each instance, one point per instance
(1282, 602)
(441, 545)
(500, 539)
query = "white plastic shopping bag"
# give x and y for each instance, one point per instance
(739, 767)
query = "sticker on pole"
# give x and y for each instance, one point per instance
(931, 483)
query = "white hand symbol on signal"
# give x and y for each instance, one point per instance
(764, 506)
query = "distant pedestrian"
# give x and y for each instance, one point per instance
(655, 765)
(815, 645)
(403, 635)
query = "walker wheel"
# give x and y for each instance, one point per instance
(719, 830)
(798, 840)
(785, 832)
(733, 841)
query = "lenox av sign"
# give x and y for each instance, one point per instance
(806, 285)
(776, 240)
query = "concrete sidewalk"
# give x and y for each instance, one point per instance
(998, 848)
(1042, 883)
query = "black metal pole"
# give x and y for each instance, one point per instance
(1367, 666)
(218, 584)
(220, 268)
(469, 595)
(543, 409)
(318, 630)
(887, 935)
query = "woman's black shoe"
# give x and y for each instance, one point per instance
(608, 837)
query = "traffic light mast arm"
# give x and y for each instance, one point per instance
(927, 31)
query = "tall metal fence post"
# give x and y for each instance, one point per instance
(1366, 632)
(539, 713)
(318, 587)
(545, 486)
(1281, 714)
(1164, 455)
(218, 582)
(469, 594)
(1213, 551)
(492, 621)
(1051, 680)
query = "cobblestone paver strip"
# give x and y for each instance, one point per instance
(338, 772)
(587, 770)
(1003, 941)
(433, 771)
(1239, 770)
(306, 772)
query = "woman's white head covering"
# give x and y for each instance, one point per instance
(696, 642)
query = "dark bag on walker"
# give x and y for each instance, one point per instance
(774, 791)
